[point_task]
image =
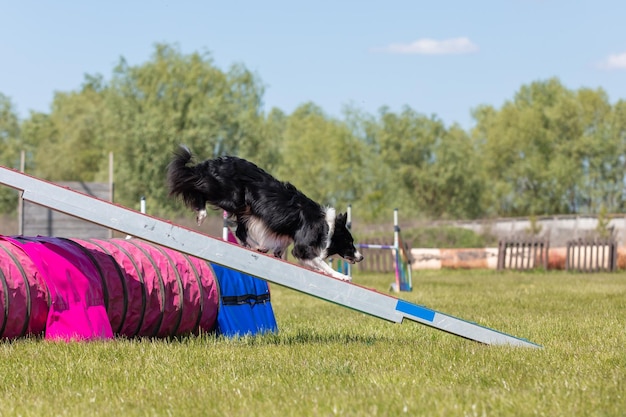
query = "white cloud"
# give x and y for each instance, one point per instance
(427, 46)
(614, 62)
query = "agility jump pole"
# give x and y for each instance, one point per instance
(244, 260)
(404, 280)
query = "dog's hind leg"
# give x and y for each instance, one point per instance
(198, 203)
(242, 234)
(200, 216)
(279, 251)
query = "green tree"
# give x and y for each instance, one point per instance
(551, 150)
(381, 191)
(406, 143)
(435, 168)
(176, 99)
(456, 181)
(264, 149)
(9, 133)
(68, 144)
(601, 153)
(526, 153)
(321, 156)
(10, 144)
(617, 123)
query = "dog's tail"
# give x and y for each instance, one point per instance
(182, 179)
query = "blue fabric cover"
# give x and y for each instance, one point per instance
(245, 305)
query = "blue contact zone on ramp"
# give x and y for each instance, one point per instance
(415, 310)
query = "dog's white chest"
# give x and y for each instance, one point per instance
(261, 238)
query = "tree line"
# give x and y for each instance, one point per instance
(547, 150)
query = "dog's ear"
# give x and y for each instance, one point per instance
(342, 219)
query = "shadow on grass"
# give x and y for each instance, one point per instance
(316, 337)
(303, 337)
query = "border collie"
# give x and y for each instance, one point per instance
(270, 214)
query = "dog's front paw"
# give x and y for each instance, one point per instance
(341, 276)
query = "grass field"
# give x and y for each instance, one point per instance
(328, 360)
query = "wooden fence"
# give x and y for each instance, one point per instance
(591, 255)
(38, 220)
(377, 260)
(523, 253)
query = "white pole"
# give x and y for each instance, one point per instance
(142, 209)
(225, 226)
(396, 229)
(20, 201)
(111, 186)
(349, 226)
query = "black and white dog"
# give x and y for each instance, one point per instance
(270, 214)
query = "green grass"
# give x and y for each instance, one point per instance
(328, 360)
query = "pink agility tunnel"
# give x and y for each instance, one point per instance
(89, 289)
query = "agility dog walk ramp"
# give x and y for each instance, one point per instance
(244, 260)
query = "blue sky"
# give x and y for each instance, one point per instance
(438, 57)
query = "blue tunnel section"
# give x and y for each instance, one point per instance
(245, 305)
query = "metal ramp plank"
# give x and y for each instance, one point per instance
(244, 260)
